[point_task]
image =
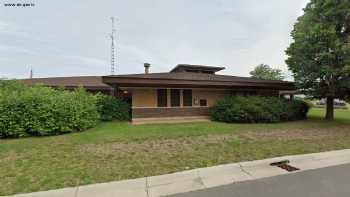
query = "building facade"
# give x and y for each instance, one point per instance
(185, 91)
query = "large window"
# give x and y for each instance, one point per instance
(175, 97)
(187, 98)
(162, 98)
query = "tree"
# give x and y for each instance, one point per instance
(264, 71)
(319, 56)
(347, 98)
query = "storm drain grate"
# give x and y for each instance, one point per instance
(284, 165)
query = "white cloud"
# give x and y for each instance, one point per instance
(85, 61)
(9, 29)
(15, 50)
(70, 38)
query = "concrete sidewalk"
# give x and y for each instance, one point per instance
(201, 178)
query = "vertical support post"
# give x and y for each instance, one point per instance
(291, 97)
(181, 98)
(114, 91)
(168, 97)
(111, 93)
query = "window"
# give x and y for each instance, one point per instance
(175, 97)
(203, 102)
(187, 98)
(162, 97)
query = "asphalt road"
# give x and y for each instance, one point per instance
(326, 182)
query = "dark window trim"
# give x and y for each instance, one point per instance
(187, 102)
(162, 98)
(175, 100)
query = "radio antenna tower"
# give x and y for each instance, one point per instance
(31, 73)
(113, 50)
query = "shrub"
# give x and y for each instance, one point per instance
(39, 110)
(111, 108)
(255, 109)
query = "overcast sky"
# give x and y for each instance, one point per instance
(70, 38)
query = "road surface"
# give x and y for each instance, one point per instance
(325, 182)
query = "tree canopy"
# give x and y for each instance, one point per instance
(319, 57)
(264, 71)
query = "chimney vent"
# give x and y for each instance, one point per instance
(147, 66)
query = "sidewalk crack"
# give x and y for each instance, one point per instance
(243, 170)
(147, 187)
(77, 190)
(199, 179)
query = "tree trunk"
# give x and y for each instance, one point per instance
(330, 108)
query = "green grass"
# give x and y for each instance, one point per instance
(117, 150)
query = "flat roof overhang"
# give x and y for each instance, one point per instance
(287, 92)
(72, 87)
(137, 82)
(181, 67)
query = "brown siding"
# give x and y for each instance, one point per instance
(169, 112)
(144, 98)
(148, 97)
(144, 102)
(212, 96)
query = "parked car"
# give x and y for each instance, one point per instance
(337, 103)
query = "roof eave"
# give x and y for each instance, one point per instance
(137, 82)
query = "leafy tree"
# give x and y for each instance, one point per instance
(264, 71)
(319, 57)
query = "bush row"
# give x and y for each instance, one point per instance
(256, 109)
(40, 111)
(111, 108)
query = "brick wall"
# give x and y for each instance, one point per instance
(169, 112)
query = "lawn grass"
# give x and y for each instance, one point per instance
(117, 150)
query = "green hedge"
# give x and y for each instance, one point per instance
(39, 110)
(256, 109)
(111, 108)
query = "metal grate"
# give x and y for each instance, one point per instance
(284, 165)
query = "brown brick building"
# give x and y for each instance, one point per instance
(185, 91)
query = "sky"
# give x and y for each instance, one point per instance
(71, 38)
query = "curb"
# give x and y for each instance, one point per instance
(201, 178)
